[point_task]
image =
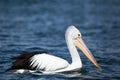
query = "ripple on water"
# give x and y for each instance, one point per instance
(40, 26)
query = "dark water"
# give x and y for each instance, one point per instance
(39, 25)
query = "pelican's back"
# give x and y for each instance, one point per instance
(48, 62)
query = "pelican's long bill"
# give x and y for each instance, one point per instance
(80, 44)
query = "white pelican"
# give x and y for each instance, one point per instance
(48, 63)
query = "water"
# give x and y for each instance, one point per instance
(39, 25)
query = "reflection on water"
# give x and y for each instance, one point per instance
(39, 25)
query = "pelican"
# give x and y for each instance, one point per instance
(48, 63)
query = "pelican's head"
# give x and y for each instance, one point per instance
(76, 37)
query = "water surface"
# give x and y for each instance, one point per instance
(39, 25)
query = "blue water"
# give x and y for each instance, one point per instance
(39, 25)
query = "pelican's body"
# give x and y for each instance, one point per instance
(48, 63)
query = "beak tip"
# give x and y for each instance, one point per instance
(100, 68)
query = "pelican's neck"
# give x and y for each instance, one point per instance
(73, 51)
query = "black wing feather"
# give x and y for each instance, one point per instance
(23, 61)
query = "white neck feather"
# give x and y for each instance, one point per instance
(72, 49)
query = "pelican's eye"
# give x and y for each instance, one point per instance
(78, 35)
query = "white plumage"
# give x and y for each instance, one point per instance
(48, 62)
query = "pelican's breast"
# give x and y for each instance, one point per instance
(48, 62)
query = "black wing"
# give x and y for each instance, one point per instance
(23, 61)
